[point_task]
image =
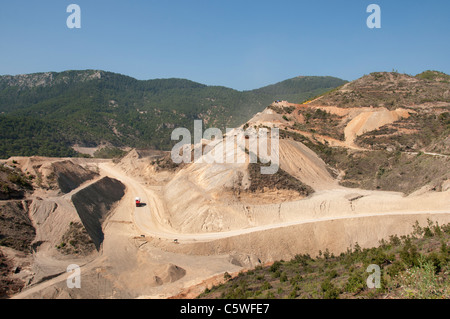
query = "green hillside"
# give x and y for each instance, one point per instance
(53, 111)
(289, 89)
(411, 267)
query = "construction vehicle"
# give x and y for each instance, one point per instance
(138, 202)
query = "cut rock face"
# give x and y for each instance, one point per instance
(95, 202)
(70, 176)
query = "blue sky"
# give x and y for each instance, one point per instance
(239, 44)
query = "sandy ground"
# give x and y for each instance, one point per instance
(191, 230)
(139, 258)
(332, 204)
(369, 120)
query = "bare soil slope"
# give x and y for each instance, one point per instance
(93, 204)
(388, 89)
(202, 219)
(69, 175)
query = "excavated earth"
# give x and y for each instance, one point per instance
(197, 220)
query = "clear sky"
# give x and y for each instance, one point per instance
(242, 44)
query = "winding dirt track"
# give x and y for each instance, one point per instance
(148, 218)
(130, 265)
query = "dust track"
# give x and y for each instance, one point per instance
(130, 265)
(148, 219)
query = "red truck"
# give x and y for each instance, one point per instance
(138, 202)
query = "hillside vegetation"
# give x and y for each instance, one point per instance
(413, 266)
(13, 182)
(390, 90)
(403, 153)
(46, 113)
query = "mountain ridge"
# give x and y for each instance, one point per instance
(89, 74)
(94, 107)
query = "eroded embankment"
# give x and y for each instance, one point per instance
(284, 243)
(70, 176)
(16, 234)
(16, 228)
(94, 203)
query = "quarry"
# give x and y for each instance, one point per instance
(142, 226)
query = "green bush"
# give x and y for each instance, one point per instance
(296, 279)
(266, 286)
(276, 274)
(396, 267)
(417, 267)
(409, 254)
(275, 266)
(332, 274)
(421, 282)
(329, 290)
(355, 283)
(260, 277)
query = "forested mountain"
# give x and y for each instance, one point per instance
(46, 113)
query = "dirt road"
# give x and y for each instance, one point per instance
(129, 266)
(151, 221)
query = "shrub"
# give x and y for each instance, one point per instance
(270, 295)
(421, 282)
(329, 290)
(266, 286)
(19, 179)
(302, 259)
(332, 274)
(296, 279)
(293, 294)
(418, 231)
(276, 274)
(394, 240)
(395, 268)
(275, 266)
(260, 277)
(409, 254)
(355, 283)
